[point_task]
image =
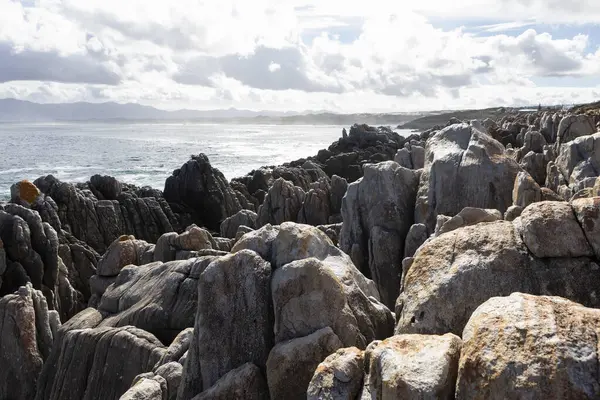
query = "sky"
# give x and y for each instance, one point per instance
(297, 55)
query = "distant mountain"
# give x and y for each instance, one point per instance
(12, 110)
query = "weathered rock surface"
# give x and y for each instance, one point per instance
(27, 329)
(234, 305)
(464, 167)
(230, 226)
(574, 126)
(528, 347)
(339, 376)
(526, 191)
(468, 216)
(291, 364)
(202, 190)
(283, 202)
(246, 382)
(377, 212)
(413, 367)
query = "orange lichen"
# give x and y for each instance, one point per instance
(28, 191)
(124, 238)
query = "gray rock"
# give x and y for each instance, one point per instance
(526, 191)
(468, 216)
(413, 367)
(315, 209)
(126, 250)
(377, 212)
(513, 213)
(464, 167)
(204, 191)
(587, 211)
(234, 305)
(245, 382)
(291, 364)
(403, 158)
(283, 202)
(417, 155)
(574, 126)
(144, 389)
(231, 225)
(338, 190)
(534, 141)
(528, 347)
(577, 160)
(339, 376)
(159, 298)
(550, 229)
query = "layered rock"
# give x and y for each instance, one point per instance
(203, 191)
(464, 167)
(339, 376)
(282, 203)
(377, 212)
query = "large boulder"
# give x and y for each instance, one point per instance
(27, 330)
(246, 382)
(339, 376)
(454, 273)
(230, 226)
(291, 364)
(574, 126)
(576, 161)
(377, 212)
(413, 367)
(464, 167)
(234, 305)
(202, 190)
(528, 347)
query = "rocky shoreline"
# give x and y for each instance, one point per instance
(460, 262)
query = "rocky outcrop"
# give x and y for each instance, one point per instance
(464, 167)
(377, 213)
(542, 247)
(316, 207)
(524, 346)
(203, 191)
(27, 330)
(230, 226)
(339, 376)
(282, 203)
(246, 382)
(99, 222)
(578, 163)
(574, 126)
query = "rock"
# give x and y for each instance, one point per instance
(417, 235)
(159, 298)
(526, 191)
(27, 330)
(144, 389)
(177, 348)
(291, 364)
(24, 193)
(403, 158)
(98, 363)
(535, 164)
(468, 216)
(110, 188)
(417, 154)
(315, 209)
(464, 167)
(203, 190)
(336, 193)
(377, 212)
(283, 202)
(125, 250)
(534, 141)
(574, 126)
(524, 346)
(245, 382)
(513, 212)
(550, 229)
(414, 367)
(332, 231)
(587, 211)
(230, 226)
(577, 160)
(234, 304)
(339, 376)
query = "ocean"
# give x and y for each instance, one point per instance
(147, 153)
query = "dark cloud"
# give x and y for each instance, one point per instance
(30, 65)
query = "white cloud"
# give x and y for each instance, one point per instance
(299, 54)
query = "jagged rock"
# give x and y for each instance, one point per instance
(339, 376)
(159, 298)
(464, 167)
(577, 160)
(332, 231)
(27, 329)
(170, 246)
(315, 209)
(203, 190)
(417, 155)
(98, 363)
(246, 382)
(550, 229)
(574, 126)
(144, 389)
(403, 158)
(454, 273)
(535, 164)
(283, 202)
(413, 367)
(311, 273)
(108, 187)
(178, 347)
(534, 141)
(291, 364)
(587, 211)
(526, 191)
(242, 230)
(230, 226)
(234, 305)
(547, 128)
(377, 212)
(417, 235)
(524, 346)
(468, 216)
(336, 193)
